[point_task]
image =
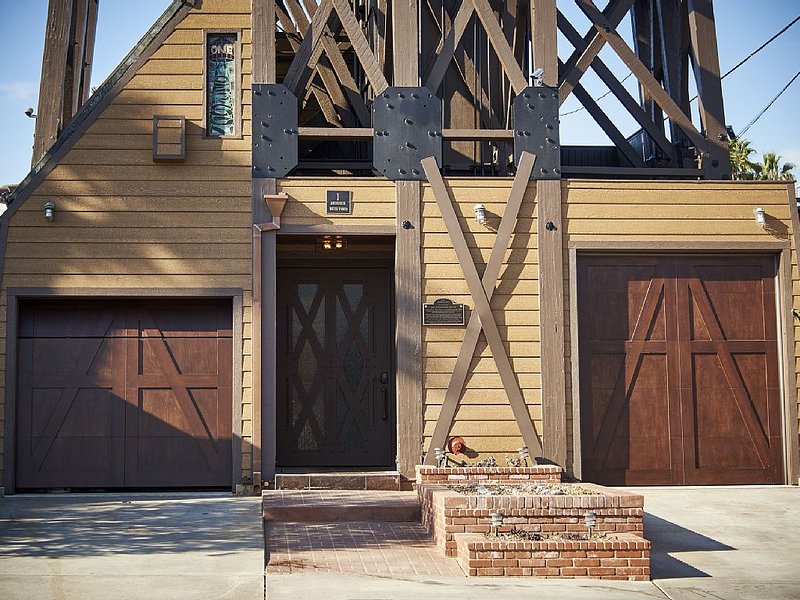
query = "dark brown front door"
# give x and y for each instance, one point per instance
(124, 393)
(679, 378)
(335, 376)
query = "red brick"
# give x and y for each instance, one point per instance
(491, 572)
(573, 571)
(574, 554)
(545, 572)
(639, 562)
(559, 562)
(600, 553)
(479, 564)
(516, 572)
(596, 571)
(629, 571)
(614, 562)
(504, 562)
(531, 562)
(587, 562)
(628, 553)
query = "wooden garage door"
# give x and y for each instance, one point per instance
(124, 393)
(679, 378)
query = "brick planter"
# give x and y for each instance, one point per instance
(622, 556)
(536, 473)
(446, 513)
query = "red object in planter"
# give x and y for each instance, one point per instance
(455, 445)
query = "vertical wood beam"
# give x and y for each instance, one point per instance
(703, 33)
(263, 265)
(405, 37)
(49, 120)
(263, 41)
(408, 262)
(85, 81)
(544, 36)
(408, 328)
(792, 452)
(551, 258)
(552, 329)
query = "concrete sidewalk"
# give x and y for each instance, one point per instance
(730, 543)
(125, 546)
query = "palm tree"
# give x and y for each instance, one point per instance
(772, 169)
(741, 165)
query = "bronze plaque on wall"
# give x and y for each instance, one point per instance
(443, 312)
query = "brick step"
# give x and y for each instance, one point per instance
(369, 480)
(339, 506)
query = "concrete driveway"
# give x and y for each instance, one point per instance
(130, 547)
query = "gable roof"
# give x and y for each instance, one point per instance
(94, 106)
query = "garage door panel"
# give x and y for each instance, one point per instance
(196, 318)
(704, 406)
(70, 319)
(87, 417)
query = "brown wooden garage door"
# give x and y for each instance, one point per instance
(679, 378)
(124, 393)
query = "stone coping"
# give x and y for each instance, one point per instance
(620, 556)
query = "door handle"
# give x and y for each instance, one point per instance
(385, 415)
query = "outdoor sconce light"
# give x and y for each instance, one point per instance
(439, 453)
(761, 216)
(480, 214)
(496, 521)
(538, 77)
(49, 210)
(590, 520)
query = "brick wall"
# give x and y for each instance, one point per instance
(538, 473)
(446, 513)
(624, 556)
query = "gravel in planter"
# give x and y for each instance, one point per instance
(522, 489)
(522, 535)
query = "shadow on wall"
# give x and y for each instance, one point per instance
(668, 538)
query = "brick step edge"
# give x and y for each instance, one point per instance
(341, 514)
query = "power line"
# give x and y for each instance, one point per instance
(734, 68)
(768, 106)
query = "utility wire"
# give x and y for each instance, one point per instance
(739, 64)
(768, 106)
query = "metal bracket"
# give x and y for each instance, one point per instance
(274, 130)
(536, 130)
(407, 124)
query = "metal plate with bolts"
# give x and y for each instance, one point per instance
(408, 127)
(536, 130)
(274, 130)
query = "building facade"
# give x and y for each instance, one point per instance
(216, 272)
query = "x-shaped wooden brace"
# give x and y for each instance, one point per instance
(310, 50)
(482, 317)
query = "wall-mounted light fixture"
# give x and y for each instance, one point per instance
(480, 214)
(330, 243)
(49, 210)
(761, 216)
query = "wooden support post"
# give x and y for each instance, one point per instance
(408, 333)
(405, 37)
(702, 30)
(50, 118)
(408, 261)
(551, 258)
(85, 80)
(264, 269)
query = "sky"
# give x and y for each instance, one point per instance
(742, 26)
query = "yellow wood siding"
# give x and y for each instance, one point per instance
(123, 221)
(484, 417)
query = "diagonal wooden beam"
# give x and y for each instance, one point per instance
(588, 49)
(482, 318)
(361, 46)
(646, 79)
(447, 47)
(608, 127)
(498, 40)
(653, 129)
(309, 52)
